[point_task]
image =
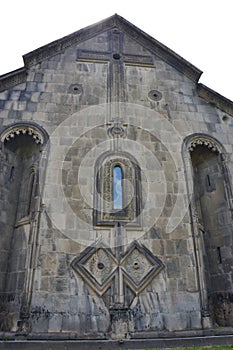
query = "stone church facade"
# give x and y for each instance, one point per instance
(116, 190)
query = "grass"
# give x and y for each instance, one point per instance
(223, 347)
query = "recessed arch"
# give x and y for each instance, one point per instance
(23, 160)
(209, 182)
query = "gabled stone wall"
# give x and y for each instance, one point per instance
(113, 92)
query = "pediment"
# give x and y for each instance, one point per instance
(142, 42)
(136, 42)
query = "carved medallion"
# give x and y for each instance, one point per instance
(155, 95)
(139, 267)
(117, 130)
(97, 267)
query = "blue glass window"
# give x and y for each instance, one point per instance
(117, 188)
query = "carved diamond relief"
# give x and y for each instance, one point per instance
(100, 265)
(139, 267)
(97, 266)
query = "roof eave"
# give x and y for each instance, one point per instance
(153, 45)
(214, 98)
(159, 49)
(53, 48)
(13, 78)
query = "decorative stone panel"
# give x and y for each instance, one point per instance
(139, 267)
(99, 267)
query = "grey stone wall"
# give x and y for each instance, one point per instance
(74, 100)
(212, 190)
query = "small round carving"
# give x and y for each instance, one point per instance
(75, 89)
(100, 265)
(116, 131)
(155, 95)
(225, 118)
(116, 56)
(136, 265)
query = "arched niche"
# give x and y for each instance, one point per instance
(22, 146)
(210, 184)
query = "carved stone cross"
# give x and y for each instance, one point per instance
(116, 59)
(100, 267)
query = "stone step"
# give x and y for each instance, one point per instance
(126, 344)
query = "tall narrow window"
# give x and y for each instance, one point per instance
(117, 188)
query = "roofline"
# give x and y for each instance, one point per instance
(159, 49)
(61, 44)
(134, 32)
(19, 76)
(215, 98)
(13, 78)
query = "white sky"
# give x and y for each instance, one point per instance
(200, 31)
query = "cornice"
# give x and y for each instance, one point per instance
(61, 44)
(215, 99)
(159, 49)
(153, 45)
(13, 78)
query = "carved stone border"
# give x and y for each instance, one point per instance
(104, 214)
(127, 213)
(38, 135)
(203, 140)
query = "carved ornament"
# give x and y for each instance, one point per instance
(98, 267)
(24, 130)
(117, 130)
(203, 141)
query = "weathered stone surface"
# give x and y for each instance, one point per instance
(112, 94)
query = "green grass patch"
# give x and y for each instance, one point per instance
(223, 347)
